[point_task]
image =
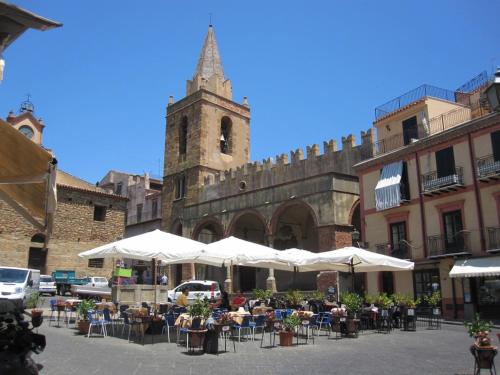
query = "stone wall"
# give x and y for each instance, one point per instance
(74, 231)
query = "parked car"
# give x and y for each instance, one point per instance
(47, 285)
(65, 278)
(97, 281)
(197, 289)
(18, 284)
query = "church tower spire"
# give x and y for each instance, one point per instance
(209, 73)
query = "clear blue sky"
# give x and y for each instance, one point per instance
(312, 70)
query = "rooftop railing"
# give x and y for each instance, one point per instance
(412, 96)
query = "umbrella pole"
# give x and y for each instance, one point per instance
(153, 261)
(352, 275)
(294, 280)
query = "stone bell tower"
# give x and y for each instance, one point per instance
(206, 133)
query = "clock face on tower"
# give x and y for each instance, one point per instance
(27, 131)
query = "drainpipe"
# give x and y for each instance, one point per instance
(422, 208)
(477, 193)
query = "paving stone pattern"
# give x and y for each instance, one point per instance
(423, 352)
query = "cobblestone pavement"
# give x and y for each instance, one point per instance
(442, 351)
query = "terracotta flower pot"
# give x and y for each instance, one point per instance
(83, 326)
(286, 338)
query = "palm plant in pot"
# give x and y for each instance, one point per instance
(294, 298)
(83, 310)
(434, 302)
(482, 350)
(353, 303)
(199, 311)
(289, 324)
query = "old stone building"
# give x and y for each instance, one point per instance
(86, 217)
(211, 189)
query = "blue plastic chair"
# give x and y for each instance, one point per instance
(95, 323)
(107, 320)
(168, 325)
(278, 314)
(245, 325)
(259, 322)
(325, 321)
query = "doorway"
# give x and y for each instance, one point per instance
(37, 259)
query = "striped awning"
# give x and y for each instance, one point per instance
(476, 267)
(387, 191)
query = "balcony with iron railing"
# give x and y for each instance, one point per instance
(433, 183)
(435, 125)
(488, 168)
(449, 245)
(145, 216)
(492, 239)
(402, 250)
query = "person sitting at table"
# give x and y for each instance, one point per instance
(238, 301)
(182, 299)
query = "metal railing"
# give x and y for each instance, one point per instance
(442, 245)
(431, 181)
(412, 96)
(449, 120)
(492, 238)
(487, 166)
(145, 216)
(401, 251)
(435, 125)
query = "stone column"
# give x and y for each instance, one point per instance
(228, 283)
(271, 281)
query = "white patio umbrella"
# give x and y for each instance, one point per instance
(237, 252)
(156, 245)
(353, 259)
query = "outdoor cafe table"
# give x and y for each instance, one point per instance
(237, 316)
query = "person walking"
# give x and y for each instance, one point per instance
(164, 279)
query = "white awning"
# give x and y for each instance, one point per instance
(476, 267)
(387, 191)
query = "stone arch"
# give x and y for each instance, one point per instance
(303, 209)
(295, 225)
(207, 231)
(355, 218)
(231, 230)
(251, 226)
(38, 237)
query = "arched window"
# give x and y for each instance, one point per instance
(183, 131)
(39, 237)
(225, 135)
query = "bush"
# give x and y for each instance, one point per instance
(352, 301)
(290, 322)
(199, 309)
(32, 301)
(294, 297)
(262, 294)
(478, 326)
(434, 299)
(84, 307)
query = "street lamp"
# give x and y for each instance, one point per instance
(355, 237)
(493, 92)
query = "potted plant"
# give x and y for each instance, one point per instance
(36, 314)
(289, 325)
(408, 305)
(199, 311)
(482, 348)
(434, 302)
(294, 298)
(83, 309)
(353, 303)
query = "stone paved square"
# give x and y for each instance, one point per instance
(444, 351)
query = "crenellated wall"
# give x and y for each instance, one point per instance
(259, 175)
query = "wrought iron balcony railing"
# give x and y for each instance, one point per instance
(431, 182)
(492, 239)
(487, 167)
(443, 245)
(401, 250)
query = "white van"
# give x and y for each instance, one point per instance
(17, 284)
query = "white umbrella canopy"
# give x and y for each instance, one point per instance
(353, 259)
(148, 246)
(237, 252)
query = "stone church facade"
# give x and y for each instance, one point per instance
(212, 190)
